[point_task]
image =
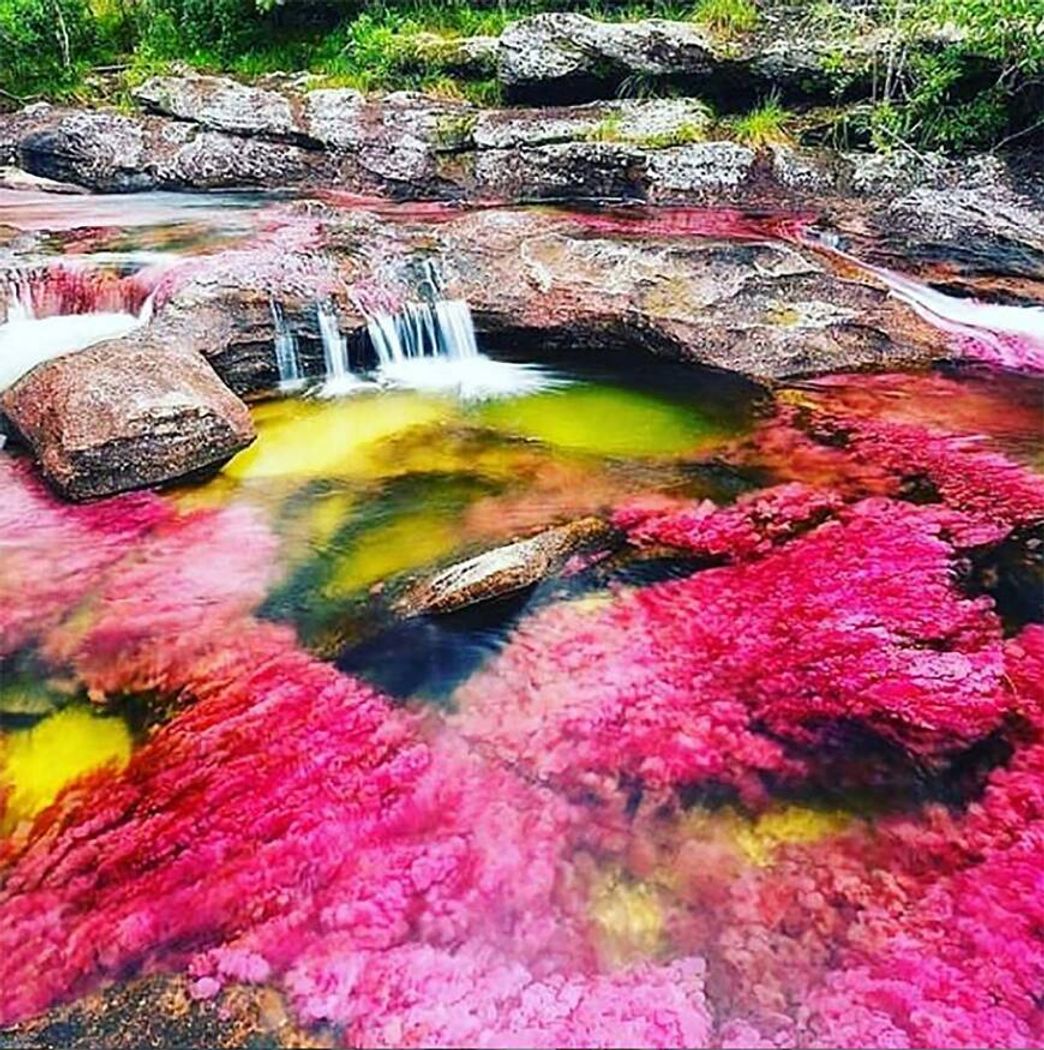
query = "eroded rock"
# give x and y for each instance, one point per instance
(221, 104)
(507, 569)
(126, 414)
(574, 56)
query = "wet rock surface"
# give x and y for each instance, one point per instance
(126, 414)
(505, 570)
(160, 1012)
(759, 309)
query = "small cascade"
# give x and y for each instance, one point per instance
(442, 328)
(1010, 336)
(285, 348)
(58, 310)
(335, 346)
(340, 379)
(432, 346)
(61, 290)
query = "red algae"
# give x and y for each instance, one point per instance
(727, 223)
(856, 454)
(38, 588)
(429, 880)
(63, 289)
(714, 675)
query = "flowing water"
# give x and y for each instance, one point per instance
(762, 769)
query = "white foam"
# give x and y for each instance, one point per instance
(26, 342)
(475, 378)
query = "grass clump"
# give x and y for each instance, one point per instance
(767, 125)
(727, 16)
(683, 135)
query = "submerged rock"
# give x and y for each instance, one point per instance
(507, 569)
(126, 414)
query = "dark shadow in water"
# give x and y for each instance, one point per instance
(1012, 574)
(429, 656)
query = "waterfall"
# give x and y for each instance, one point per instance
(340, 379)
(442, 328)
(335, 346)
(425, 345)
(285, 348)
(40, 326)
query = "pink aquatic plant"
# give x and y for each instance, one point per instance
(64, 288)
(53, 554)
(856, 454)
(417, 879)
(723, 674)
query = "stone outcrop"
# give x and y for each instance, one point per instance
(126, 414)
(203, 132)
(569, 57)
(762, 308)
(572, 56)
(505, 570)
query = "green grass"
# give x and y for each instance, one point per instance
(768, 125)
(727, 16)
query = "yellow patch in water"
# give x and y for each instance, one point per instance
(605, 420)
(594, 603)
(36, 763)
(303, 438)
(405, 542)
(629, 919)
(789, 824)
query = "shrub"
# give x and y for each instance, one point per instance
(44, 44)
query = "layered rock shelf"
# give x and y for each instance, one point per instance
(202, 132)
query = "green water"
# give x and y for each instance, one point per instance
(370, 491)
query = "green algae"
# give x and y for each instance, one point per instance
(608, 421)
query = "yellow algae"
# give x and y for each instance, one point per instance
(204, 495)
(313, 524)
(479, 454)
(788, 824)
(604, 420)
(629, 918)
(313, 438)
(36, 763)
(593, 603)
(405, 542)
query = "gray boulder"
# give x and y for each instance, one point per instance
(221, 104)
(564, 54)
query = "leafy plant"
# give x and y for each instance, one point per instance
(45, 44)
(767, 125)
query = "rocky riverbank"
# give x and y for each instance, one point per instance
(697, 243)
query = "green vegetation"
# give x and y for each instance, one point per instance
(950, 74)
(983, 88)
(765, 126)
(727, 16)
(682, 135)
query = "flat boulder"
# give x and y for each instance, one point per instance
(126, 414)
(571, 55)
(508, 569)
(221, 104)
